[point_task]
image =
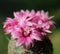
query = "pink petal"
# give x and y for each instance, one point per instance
(29, 23)
(51, 17)
(32, 12)
(15, 34)
(20, 41)
(16, 14)
(48, 31)
(28, 42)
(35, 36)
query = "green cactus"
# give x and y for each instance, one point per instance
(11, 46)
(40, 47)
(12, 49)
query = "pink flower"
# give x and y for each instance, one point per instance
(43, 22)
(9, 25)
(27, 27)
(26, 36)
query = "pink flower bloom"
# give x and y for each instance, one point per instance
(28, 27)
(43, 22)
(26, 36)
(9, 25)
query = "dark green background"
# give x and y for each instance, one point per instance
(7, 7)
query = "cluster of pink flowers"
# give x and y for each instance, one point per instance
(28, 26)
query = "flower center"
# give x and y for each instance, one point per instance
(27, 31)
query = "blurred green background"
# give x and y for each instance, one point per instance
(7, 7)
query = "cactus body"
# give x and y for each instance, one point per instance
(12, 49)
